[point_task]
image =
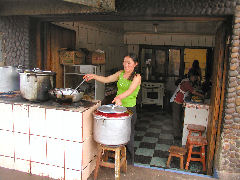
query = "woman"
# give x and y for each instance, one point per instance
(128, 84)
(196, 68)
(178, 98)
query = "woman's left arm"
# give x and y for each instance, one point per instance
(136, 81)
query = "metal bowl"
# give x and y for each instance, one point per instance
(66, 94)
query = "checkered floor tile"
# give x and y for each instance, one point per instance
(153, 137)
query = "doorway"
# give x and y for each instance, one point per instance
(154, 129)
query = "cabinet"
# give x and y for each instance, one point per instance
(195, 113)
(73, 75)
(48, 141)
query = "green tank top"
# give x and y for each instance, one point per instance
(123, 85)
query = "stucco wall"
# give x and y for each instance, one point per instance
(94, 36)
(15, 40)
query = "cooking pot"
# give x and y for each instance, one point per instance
(66, 95)
(112, 125)
(9, 79)
(35, 84)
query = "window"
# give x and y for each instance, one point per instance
(174, 62)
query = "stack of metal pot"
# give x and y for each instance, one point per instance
(35, 84)
(112, 125)
(9, 79)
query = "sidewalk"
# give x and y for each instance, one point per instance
(141, 173)
(133, 173)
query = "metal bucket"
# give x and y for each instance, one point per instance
(112, 128)
(9, 79)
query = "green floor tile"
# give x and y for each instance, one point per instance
(136, 143)
(165, 136)
(140, 133)
(157, 161)
(149, 139)
(162, 147)
(144, 152)
(154, 130)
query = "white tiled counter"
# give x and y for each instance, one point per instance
(46, 140)
(195, 113)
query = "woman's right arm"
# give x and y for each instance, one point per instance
(103, 79)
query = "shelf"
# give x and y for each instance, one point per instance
(75, 74)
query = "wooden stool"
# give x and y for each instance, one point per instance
(120, 159)
(177, 152)
(193, 128)
(196, 141)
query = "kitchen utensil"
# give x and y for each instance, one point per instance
(112, 125)
(79, 85)
(66, 95)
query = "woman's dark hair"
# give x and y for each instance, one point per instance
(192, 72)
(134, 57)
(195, 64)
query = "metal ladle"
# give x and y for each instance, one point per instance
(78, 86)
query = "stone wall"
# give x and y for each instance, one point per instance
(228, 163)
(15, 40)
(177, 7)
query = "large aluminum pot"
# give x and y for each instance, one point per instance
(9, 79)
(112, 125)
(34, 85)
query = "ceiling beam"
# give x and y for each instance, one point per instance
(117, 17)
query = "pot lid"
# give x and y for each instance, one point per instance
(38, 72)
(111, 108)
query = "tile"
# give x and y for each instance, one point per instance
(150, 139)
(195, 166)
(144, 152)
(165, 141)
(140, 164)
(136, 143)
(142, 125)
(138, 138)
(154, 130)
(162, 147)
(144, 120)
(151, 134)
(147, 145)
(162, 154)
(140, 133)
(167, 127)
(163, 131)
(158, 162)
(157, 121)
(155, 126)
(137, 128)
(140, 159)
(166, 136)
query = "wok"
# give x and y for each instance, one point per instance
(65, 95)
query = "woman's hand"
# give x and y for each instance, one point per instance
(117, 101)
(89, 77)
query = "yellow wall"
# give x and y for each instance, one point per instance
(191, 54)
